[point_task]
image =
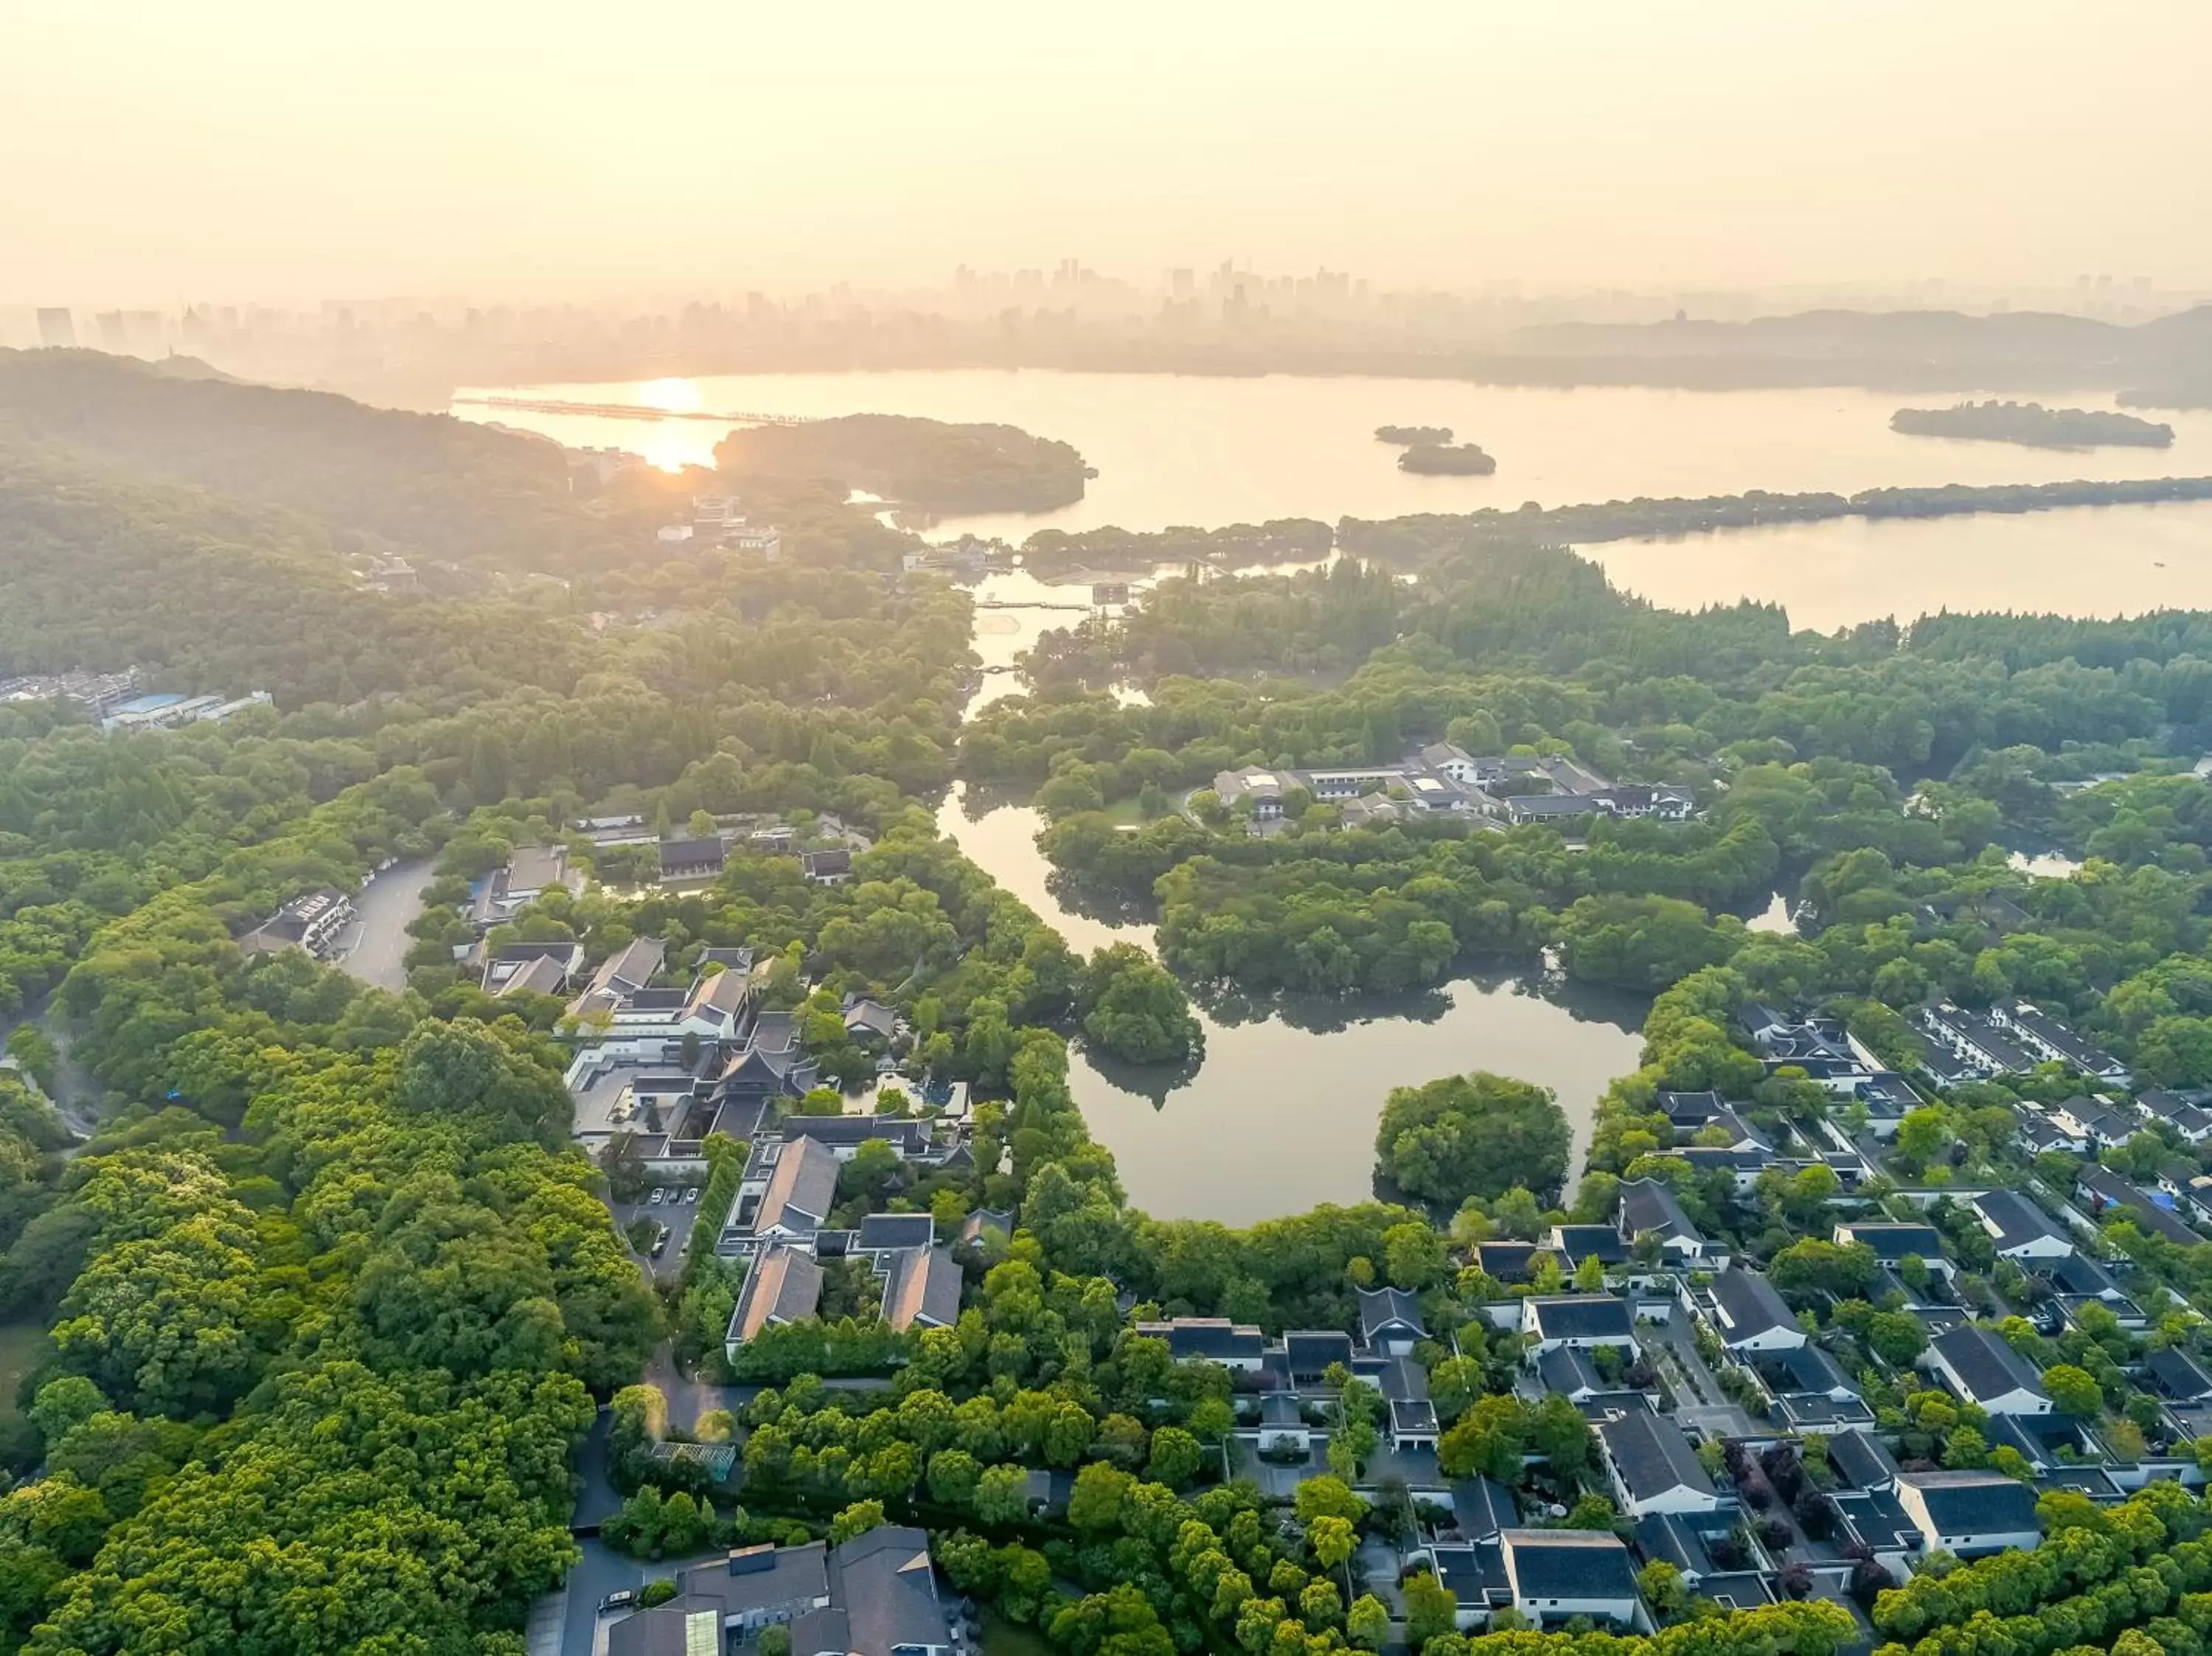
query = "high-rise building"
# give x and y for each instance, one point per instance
(56, 327)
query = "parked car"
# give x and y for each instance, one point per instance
(660, 1242)
(621, 1598)
(653, 1200)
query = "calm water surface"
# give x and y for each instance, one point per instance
(1281, 1115)
(2084, 560)
(1174, 449)
(1181, 449)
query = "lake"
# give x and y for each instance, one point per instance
(1194, 450)
(2099, 562)
(1281, 1115)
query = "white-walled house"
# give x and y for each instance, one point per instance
(1970, 1513)
(1980, 1367)
(1749, 1314)
(1553, 1574)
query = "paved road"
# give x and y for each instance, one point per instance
(1713, 1412)
(688, 1397)
(678, 1215)
(376, 944)
(582, 1629)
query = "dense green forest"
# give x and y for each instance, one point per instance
(1414, 540)
(923, 464)
(371, 478)
(318, 1315)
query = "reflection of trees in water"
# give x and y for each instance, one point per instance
(1107, 906)
(979, 799)
(1319, 1015)
(1150, 1082)
(1624, 1009)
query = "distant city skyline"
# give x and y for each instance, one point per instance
(251, 153)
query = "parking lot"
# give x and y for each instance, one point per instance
(672, 1210)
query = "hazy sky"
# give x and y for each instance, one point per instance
(155, 151)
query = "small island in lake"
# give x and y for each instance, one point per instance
(2033, 424)
(1406, 436)
(1442, 459)
(924, 464)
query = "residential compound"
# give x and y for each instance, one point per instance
(315, 921)
(1809, 1351)
(874, 1595)
(1827, 1351)
(1444, 778)
(664, 1059)
(2012, 1038)
(530, 872)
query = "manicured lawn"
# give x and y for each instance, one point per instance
(1005, 1638)
(20, 1344)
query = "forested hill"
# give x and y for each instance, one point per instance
(374, 478)
(2027, 349)
(214, 594)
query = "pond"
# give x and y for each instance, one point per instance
(1281, 1113)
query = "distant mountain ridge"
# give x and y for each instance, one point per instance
(2012, 348)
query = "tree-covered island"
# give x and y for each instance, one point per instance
(2034, 426)
(924, 464)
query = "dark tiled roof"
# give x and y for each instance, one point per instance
(2082, 1054)
(2111, 1191)
(1863, 1460)
(1579, 1242)
(2178, 1375)
(911, 1136)
(665, 1630)
(1404, 1379)
(783, 1285)
(1311, 1350)
(1974, 1503)
(1652, 1456)
(1509, 1262)
(1650, 1207)
(1475, 1576)
(1669, 1536)
(802, 1189)
(1569, 1372)
(1389, 1310)
(1482, 1507)
(883, 1582)
(1582, 1316)
(1808, 1368)
(1749, 1305)
(1215, 1338)
(2017, 1219)
(2077, 1273)
(922, 1286)
(1569, 1564)
(880, 1231)
(1984, 1364)
(706, 852)
(1891, 1239)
